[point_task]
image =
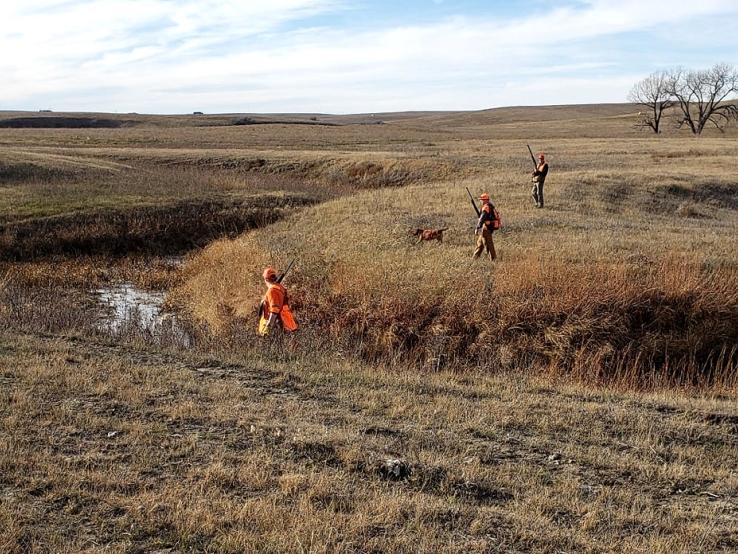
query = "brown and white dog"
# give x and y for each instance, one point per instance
(429, 234)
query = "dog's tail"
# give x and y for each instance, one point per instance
(444, 229)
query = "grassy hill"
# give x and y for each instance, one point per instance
(579, 394)
(631, 259)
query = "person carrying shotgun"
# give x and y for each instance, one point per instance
(539, 177)
(275, 308)
(488, 222)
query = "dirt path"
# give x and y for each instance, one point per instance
(60, 159)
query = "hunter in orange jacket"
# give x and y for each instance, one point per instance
(485, 227)
(539, 177)
(275, 306)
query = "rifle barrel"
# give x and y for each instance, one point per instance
(474, 204)
(284, 273)
(532, 157)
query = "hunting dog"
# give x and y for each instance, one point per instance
(429, 234)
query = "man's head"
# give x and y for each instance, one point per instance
(542, 157)
(270, 275)
(484, 197)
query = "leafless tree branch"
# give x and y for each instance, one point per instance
(652, 93)
(703, 96)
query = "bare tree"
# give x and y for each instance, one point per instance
(652, 93)
(702, 96)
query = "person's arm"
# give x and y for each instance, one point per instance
(480, 222)
(271, 320)
(484, 215)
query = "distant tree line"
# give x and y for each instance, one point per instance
(699, 98)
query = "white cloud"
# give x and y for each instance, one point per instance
(226, 55)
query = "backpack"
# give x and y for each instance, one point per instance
(497, 221)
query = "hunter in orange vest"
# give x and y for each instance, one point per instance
(489, 221)
(539, 177)
(275, 308)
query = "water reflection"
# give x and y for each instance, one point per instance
(131, 310)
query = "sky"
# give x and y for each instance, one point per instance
(346, 56)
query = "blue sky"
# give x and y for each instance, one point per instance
(340, 56)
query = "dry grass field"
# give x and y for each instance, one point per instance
(578, 395)
(113, 448)
(630, 273)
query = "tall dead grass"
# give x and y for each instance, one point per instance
(570, 295)
(667, 325)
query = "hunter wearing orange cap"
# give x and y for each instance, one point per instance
(275, 306)
(489, 220)
(539, 177)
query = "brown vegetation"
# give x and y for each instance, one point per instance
(576, 395)
(106, 447)
(156, 230)
(60, 122)
(606, 285)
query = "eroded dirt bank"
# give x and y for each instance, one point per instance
(166, 230)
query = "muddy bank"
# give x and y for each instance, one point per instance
(335, 175)
(153, 230)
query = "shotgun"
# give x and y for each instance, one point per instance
(286, 271)
(474, 204)
(532, 157)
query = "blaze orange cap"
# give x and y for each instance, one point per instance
(270, 274)
(484, 197)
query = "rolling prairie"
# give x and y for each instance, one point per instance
(578, 394)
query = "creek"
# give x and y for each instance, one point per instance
(129, 309)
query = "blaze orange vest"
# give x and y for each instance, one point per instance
(276, 301)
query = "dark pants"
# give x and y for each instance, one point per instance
(537, 193)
